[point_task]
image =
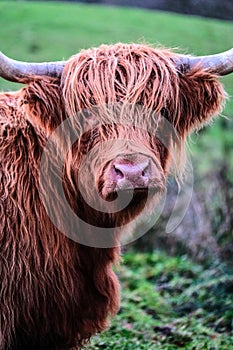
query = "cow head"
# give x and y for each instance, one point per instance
(125, 112)
(138, 108)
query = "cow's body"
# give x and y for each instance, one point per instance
(56, 293)
(50, 292)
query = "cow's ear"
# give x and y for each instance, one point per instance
(43, 105)
(201, 97)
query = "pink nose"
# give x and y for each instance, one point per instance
(128, 173)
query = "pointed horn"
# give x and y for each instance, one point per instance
(17, 71)
(220, 64)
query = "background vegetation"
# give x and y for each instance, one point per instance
(182, 302)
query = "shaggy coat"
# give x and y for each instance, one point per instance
(55, 293)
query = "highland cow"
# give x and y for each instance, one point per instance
(58, 288)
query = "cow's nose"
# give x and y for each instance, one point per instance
(131, 174)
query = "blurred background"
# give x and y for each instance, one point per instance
(206, 8)
(46, 31)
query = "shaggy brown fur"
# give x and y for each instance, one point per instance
(56, 293)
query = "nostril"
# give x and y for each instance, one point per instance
(118, 172)
(144, 168)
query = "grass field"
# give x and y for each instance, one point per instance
(171, 304)
(167, 303)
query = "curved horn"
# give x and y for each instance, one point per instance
(17, 71)
(221, 63)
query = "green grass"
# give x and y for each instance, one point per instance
(54, 31)
(171, 303)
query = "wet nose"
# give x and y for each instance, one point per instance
(131, 174)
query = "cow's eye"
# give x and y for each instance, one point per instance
(86, 114)
(164, 112)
